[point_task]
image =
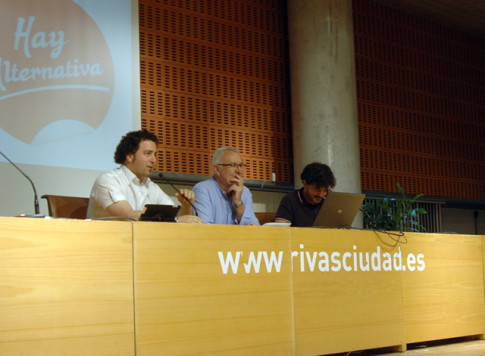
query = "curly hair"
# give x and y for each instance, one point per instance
(318, 174)
(130, 144)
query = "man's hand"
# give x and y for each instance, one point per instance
(184, 198)
(189, 219)
(185, 195)
(235, 189)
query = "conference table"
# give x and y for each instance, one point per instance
(79, 287)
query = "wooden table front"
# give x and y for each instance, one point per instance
(66, 287)
(70, 287)
(191, 300)
(347, 294)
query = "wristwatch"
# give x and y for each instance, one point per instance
(238, 205)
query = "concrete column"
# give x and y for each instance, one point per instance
(323, 89)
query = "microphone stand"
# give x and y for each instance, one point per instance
(36, 199)
(160, 175)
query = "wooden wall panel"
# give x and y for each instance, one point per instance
(216, 74)
(421, 104)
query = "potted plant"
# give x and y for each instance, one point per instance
(394, 214)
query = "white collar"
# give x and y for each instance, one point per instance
(132, 177)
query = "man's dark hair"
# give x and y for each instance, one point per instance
(318, 174)
(130, 143)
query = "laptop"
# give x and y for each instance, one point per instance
(339, 210)
(158, 212)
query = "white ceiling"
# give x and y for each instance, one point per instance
(464, 15)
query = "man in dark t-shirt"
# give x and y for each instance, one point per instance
(302, 206)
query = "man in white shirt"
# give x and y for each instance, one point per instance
(124, 191)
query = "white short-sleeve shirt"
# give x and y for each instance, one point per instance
(121, 184)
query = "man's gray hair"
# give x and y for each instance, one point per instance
(216, 158)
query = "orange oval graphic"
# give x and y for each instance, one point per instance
(55, 65)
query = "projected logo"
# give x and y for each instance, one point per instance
(54, 65)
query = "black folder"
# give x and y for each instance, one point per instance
(158, 212)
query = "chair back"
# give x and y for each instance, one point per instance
(61, 206)
(265, 217)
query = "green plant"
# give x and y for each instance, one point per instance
(394, 214)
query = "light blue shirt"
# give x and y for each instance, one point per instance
(215, 207)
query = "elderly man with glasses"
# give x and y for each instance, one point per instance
(223, 199)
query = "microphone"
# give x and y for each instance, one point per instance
(160, 175)
(36, 199)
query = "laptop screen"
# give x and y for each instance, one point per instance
(339, 210)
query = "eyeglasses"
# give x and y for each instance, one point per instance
(232, 165)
